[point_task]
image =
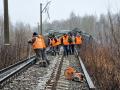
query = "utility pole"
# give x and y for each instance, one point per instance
(41, 11)
(38, 27)
(6, 23)
(41, 18)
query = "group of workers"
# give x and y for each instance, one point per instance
(68, 41)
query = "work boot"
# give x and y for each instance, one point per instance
(44, 64)
(40, 63)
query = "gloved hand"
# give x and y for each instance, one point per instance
(29, 41)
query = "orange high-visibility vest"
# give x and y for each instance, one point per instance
(43, 41)
(58, 42)
(55, 43)
(39, 43)
(69, 73)
(78, 40)
(65, 40)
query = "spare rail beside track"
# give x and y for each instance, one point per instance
(87, 77)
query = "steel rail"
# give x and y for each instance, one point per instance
(87, 76)
(11, 66)
(16, 69)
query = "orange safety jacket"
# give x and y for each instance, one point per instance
(65, 40)
(55, 43)
(78, 40)
(69, 73)
(39, 43)
(58, 41)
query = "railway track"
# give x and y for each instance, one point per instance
(58, 81)
(51, 78)
(13, 70)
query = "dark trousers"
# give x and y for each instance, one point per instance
(78, 46)
(40, 53)
(54, 50)
(57, 49)
(72, 48)
(66, 50)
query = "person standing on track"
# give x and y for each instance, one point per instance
(39, 46)
(78, 41)
(72, 43)
(53, 44)
(65, 44)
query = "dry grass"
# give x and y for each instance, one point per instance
(10, 55)
(102, 66)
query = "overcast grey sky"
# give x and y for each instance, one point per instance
(27, 11)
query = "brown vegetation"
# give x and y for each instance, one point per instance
(102, 59)
(18, 48)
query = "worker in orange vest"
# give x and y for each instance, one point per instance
(72, 43)
(57, 45)
(53, 45)
(65, 43)
(55, 42)
(39, 46)
(78, 40)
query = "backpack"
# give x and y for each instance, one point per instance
(70, 40)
